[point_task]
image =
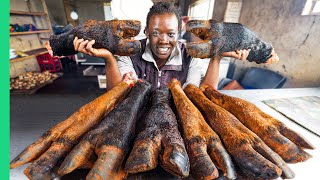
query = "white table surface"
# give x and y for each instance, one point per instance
(309, 169)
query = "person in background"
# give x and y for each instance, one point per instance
(162, 57)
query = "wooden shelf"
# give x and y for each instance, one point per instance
(31, 53)
(31, 12)
(27, 13)
(29, 32)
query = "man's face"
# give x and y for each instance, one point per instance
(162, 32)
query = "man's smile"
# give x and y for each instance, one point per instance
(163, 50)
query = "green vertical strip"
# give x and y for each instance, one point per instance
(4, 89)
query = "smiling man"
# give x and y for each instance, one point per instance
(162, 57)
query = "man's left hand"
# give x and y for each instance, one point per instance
(238, 54)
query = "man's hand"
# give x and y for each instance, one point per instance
(274, 58)
(238, 54)
(212, 74)
(85, 46)
(49, 48)
(50, 51)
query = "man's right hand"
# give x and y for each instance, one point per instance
(49, 49)
(85, 47)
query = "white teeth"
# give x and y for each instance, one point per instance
(163, 49)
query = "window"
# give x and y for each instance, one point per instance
(129, 9)
(316, 8)
(202, 9)
(107, 11)
(312, 7)
(233, 10)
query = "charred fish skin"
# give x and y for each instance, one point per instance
(219, 37)
(49, 150)
(62, 44)
(113, 35)
(159, 139)
(252, 155)
(203, 145)
(237, 37)
(127, 113)
(284, 141)
(111, 139)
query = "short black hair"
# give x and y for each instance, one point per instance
(163, 8)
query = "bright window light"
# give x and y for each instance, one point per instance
(201, 10)
(132, 10)
(316, 8)
(129, 9)
(312, 7)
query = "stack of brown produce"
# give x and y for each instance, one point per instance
(30, 80)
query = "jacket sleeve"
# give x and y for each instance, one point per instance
(195, 72)
(125, 66)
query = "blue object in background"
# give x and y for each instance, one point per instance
(29, 27)
(258, 78)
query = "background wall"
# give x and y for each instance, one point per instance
(295, 38)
